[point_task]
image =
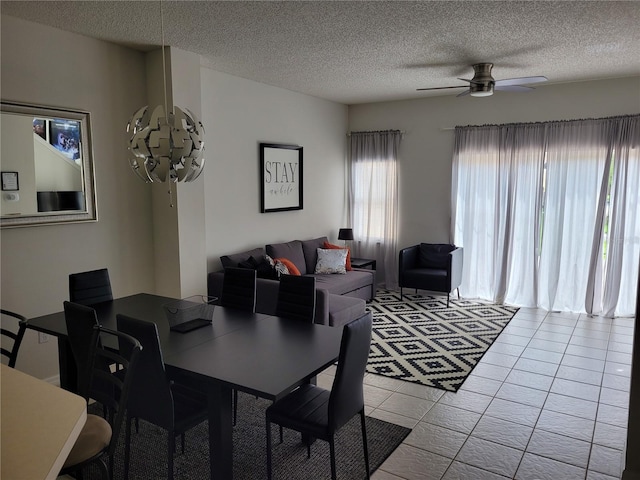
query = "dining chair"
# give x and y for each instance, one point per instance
(297, 298)
(89, 288)
(99, 436)
(153, 397)
(239, 289)
(320, 413)
(80, 321)
(10, 335)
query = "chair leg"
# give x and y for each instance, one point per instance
(364, 443)
(332, 451)
(182, 440)
(268, 450)
(458, 290)
(400, 293)
(235, 407)
(127, 448)
(447, 300)
(281, 435)
(104, 471)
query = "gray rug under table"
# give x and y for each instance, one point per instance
(290, 462)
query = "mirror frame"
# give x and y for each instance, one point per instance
(90, 213)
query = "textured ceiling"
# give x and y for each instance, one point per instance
(361, 51)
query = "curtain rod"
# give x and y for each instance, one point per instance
(548, 122)
(401, 132)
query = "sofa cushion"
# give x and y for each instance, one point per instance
(343, 309)
(331, 261)
(434, 255)
(341, 284)
(338, 247)
(291, 251)
(309, 248)
(262, 267)
(289, 267)
(235, 259)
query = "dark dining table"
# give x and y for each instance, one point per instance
(255, 353)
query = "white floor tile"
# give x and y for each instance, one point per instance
(560, 448)
(571, 406)
(436, 439)
(453, 418)
(466, 400)
(462, 471)
(521, 394)
(503, 432)
(413, 463)
(513, 412)
(406, 405)
(568, 425)
(534, 467)
(490, 456)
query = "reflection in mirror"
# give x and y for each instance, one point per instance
(48, 153)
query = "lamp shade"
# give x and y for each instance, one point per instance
(345, 234)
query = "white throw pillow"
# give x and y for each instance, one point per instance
(331, 261)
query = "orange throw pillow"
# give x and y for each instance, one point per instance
(338, 247)
(293, 270)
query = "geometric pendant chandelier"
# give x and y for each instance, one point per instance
(166, 148)
(166, 145)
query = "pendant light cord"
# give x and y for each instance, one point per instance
(164, 80)
(164, 65)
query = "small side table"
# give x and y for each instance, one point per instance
(363, 263)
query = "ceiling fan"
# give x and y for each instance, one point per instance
(483, 84)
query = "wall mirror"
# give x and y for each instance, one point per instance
(47, 166)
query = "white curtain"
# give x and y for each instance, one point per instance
(614, 276)
(373, 199)
(547, 213)
(576, 154)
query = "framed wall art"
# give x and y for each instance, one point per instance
(280, 177)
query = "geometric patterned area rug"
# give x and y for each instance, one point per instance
(418, 339)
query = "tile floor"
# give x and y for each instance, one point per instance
(549, 400)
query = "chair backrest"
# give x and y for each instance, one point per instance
(89, 288)
(239, 289)
(347, 394)
(115, 397)
(297, 298)
(80, 320)
(11, 337)
(150, 397)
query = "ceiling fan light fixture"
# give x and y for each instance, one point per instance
(481, 89)
(482, 93)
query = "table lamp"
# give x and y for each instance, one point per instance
(345, 234)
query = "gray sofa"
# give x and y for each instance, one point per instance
(340, 298)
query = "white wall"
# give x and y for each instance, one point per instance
(54, 170)
(17, 155)
(238, 114)
(46, 66)
(426, 150)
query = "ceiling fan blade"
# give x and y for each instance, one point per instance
(521, 80)
(513, 88)
(466, 92)
(441, 88)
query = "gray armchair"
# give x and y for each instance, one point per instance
(433, 267)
